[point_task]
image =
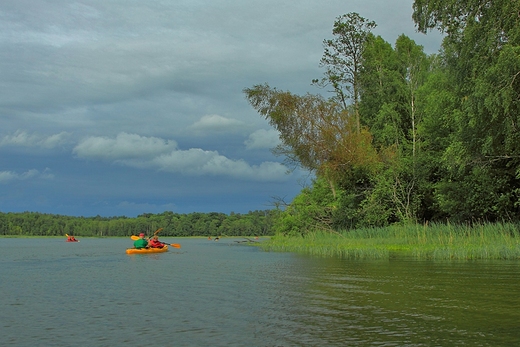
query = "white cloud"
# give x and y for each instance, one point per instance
(24, 139)
(216, 123)
(56, 140)
(8, 176)
(159, 154)
(262, 138)
(196, 161)
(123, 146)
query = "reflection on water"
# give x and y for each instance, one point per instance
(223, 294)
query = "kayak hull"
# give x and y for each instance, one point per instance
(147, 250)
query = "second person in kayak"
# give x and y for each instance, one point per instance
(155, 243)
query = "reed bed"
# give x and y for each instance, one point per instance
(436, 241)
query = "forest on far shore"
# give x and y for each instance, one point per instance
(213, 224)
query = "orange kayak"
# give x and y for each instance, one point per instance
(146, 250)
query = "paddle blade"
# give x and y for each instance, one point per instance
(175, 245)
(133, 237)
(67, 235)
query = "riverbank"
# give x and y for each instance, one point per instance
(438, 242)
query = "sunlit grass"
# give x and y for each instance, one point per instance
(457, 242)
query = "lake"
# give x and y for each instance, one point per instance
(208, 293)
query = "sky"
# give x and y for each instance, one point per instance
(125, 107)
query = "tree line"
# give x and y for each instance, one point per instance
(212, 224)
(402, 136)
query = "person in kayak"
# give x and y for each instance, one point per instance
(155, 243)
(141, 242)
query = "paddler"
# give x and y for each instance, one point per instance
(141, 242)
(155, 243)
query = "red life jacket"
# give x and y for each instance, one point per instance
(156, 244)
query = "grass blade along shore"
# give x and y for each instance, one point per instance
(456, 242)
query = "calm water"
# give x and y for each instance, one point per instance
(210, 293)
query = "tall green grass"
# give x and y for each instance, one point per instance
(437, 241)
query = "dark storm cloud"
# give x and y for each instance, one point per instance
(116, 107)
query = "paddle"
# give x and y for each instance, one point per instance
(174, 245)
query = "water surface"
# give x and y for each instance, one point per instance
(224, 294)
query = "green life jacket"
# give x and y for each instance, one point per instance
(141, 243)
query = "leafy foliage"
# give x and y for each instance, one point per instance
(425, 137)
(316, 133)
(343, 58)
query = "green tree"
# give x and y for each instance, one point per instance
(380, 82)
(481, 54)
(317, 134)
(343, 60)
(313, 209)
(414, 68)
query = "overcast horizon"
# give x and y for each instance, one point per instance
(120, 107)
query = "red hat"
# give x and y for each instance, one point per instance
(141, 234)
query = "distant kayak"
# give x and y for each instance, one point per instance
(146, 250)
(70, 238)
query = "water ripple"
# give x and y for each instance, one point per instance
(220, 294)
